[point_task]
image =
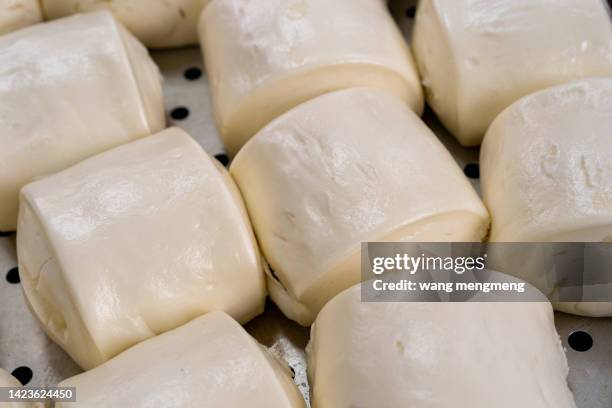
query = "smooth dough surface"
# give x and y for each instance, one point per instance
(70, 89)
(263, 57)
(436, 355)
(546, 172)
(157, 23)
(134, 242)
(7, 380)
(16, 14)
(348, 167)
(476, 57)
(210, 362)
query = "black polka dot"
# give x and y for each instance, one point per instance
(223, 159)
(580, 341)
(292, 372)
(23, 374)
(193, 73)
(12, 276)
(6, 233)
(411, 12)
(179, 113)
(472, 170)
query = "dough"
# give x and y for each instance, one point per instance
(134, 242)
(348, 167)
(263, 57)
(477, 57)
(16, 14)
(157, 23)
(7, 380)
(546, 172)
(210, 362)
(436, 355)
(70, 89)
